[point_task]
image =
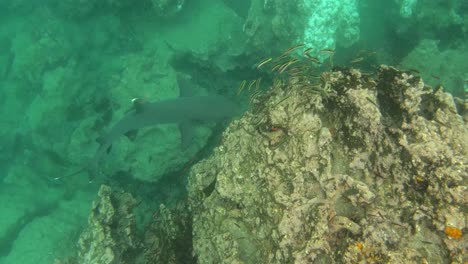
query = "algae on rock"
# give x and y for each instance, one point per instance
(111, 233)
(351, 168)
(372, 171)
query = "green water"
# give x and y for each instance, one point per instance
(69, 69)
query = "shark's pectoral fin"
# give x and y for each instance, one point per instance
(139, 105)
(186, 133)
(132, 134)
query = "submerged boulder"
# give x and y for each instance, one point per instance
(346, 169)
(340, 168)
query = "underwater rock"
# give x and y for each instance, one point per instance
(406, 7)
(437, 65)
(372, 169)
(111, 233)
(330, 23)
(216, 52)
(167, 8)
(72, 9)
(321, 24)
(51, 50)
(439, 19)
(156, 150)
(270, 22)
(111, 236)
(168, 239)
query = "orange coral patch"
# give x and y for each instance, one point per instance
(359, 245)
(453, 232)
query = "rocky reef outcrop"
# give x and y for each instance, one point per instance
(343, 167)
(111, 233)
(351, 168)
(168, 239)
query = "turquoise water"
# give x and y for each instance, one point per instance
(70, 69)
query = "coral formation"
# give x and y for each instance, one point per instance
(372, 171)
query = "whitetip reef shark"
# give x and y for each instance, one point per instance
(184, 110)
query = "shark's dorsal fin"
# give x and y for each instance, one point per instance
(139, 105)
(131, 135)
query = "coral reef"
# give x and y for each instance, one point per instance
(374, 169)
